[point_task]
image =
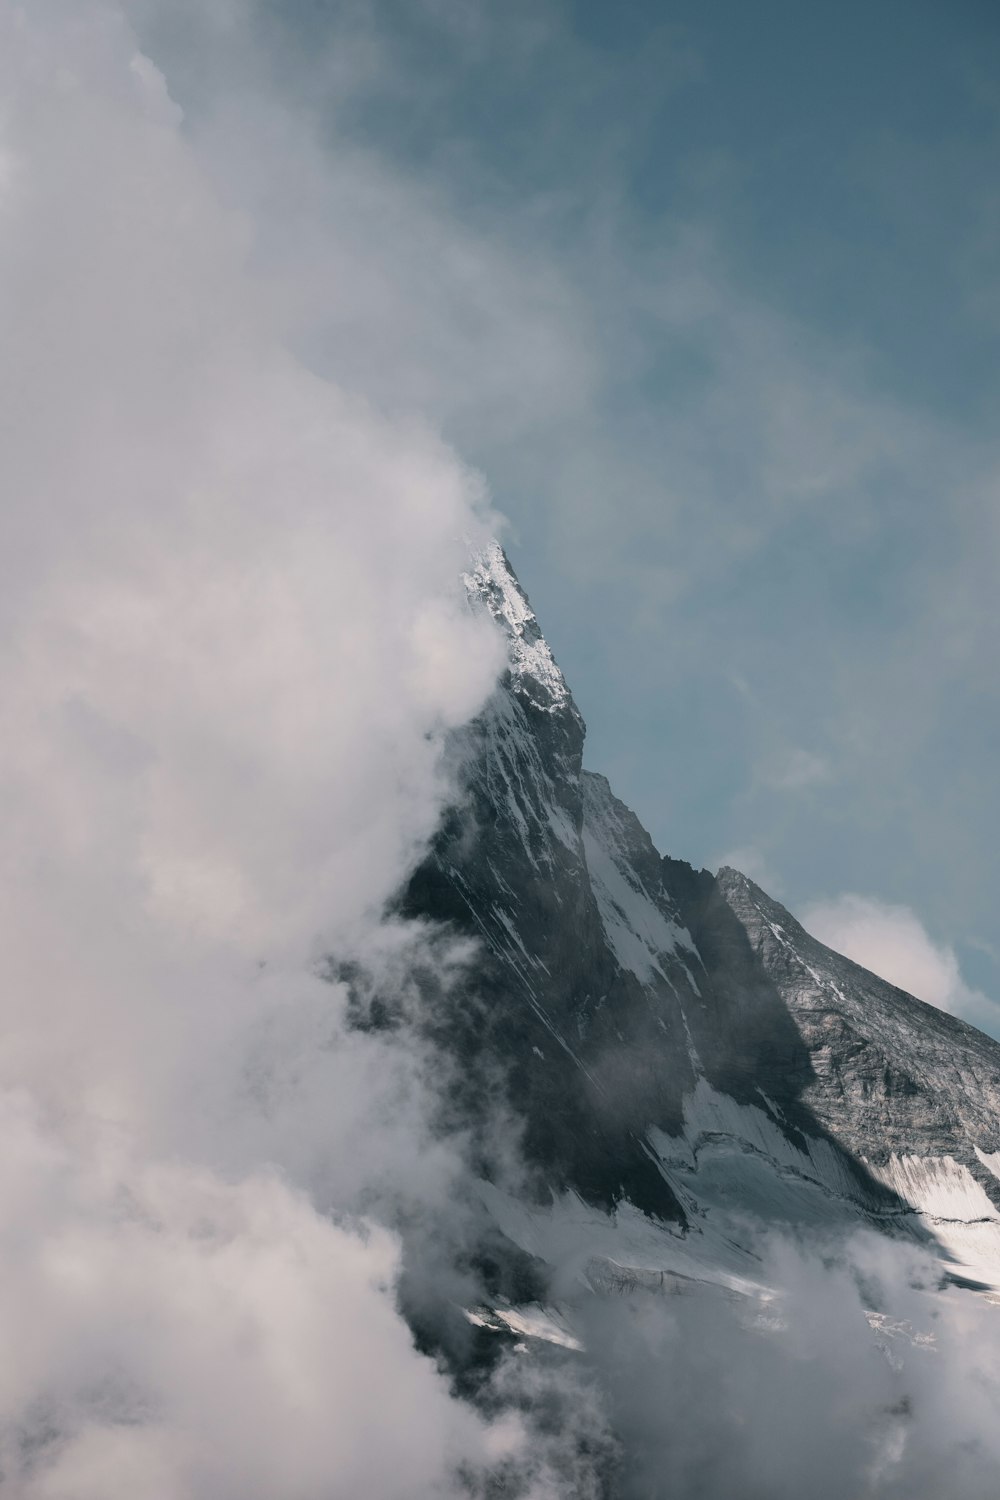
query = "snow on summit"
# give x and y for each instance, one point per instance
(533, 668)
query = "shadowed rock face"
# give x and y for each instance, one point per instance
(578, 1038)
(659, 1030)
(889, 1074)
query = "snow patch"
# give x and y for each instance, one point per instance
(937, 1186)
(590, 1250)
(733, 1158)
(991, 1161)
(530, 1321)
(954, 1208)
(638, 932)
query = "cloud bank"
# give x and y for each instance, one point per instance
(232, 644)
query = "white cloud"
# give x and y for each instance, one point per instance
(202, 1338)
(753, 863)
(892, 942)
(232, 643)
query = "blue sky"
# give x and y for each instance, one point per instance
(710, 295)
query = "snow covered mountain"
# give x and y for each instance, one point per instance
(684, 1061)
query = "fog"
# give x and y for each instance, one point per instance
(233, 641)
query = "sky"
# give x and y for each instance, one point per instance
(710, 297)
(297, 304)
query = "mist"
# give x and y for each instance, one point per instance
(233, 643)
(855, 1375)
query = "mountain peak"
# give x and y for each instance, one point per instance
(492, 582)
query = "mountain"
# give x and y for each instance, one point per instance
(683, 1061)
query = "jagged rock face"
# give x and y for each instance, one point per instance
(670, 1037)
(889, 1074)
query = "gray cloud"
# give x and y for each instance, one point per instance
(857, 1380)
(849, 1373)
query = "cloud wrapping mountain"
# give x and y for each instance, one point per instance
(233, 638)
